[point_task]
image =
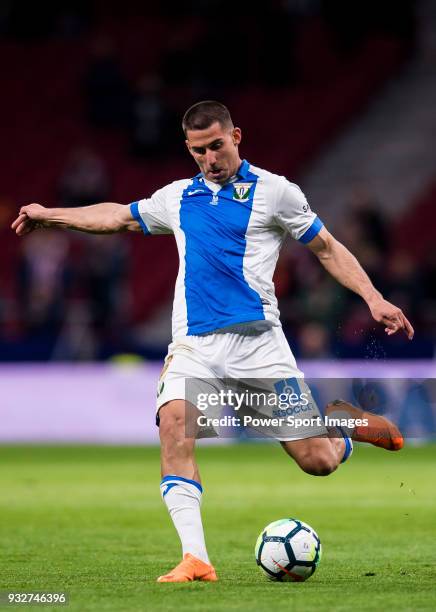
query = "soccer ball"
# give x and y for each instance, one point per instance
(288, 550)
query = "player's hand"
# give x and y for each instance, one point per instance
(392, 317)
(31, 217)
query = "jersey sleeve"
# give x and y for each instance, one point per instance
(293, 213)
(152, 214)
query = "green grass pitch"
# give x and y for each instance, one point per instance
(89, 521)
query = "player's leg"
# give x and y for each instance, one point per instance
(181, 491)
(321, 455)
(177, 450)
(318, 455)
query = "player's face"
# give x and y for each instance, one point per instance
(215, 150)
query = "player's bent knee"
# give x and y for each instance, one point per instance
(323, 464)
(315, 456)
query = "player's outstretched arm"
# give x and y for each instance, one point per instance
(105, 218)
(345, 268)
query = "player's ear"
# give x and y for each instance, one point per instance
(188, 146)
(236, 135)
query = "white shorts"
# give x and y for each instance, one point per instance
(259, 359)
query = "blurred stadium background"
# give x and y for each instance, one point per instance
(340, 97)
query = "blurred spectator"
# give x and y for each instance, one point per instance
(43, 279)
(365, 232)
(367, 213)
(149, 119)
(103, 277)
(95, 322)
(314, 341)
(403, 285)
(106, 89)
(302, 302)
(85, 179)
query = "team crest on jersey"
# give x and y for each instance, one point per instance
(241, 191)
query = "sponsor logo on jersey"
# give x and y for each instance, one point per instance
(241, 191)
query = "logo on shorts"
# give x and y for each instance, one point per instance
(291, 398)
(288, 385)
(241, 191)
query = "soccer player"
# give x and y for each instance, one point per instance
(229, 222)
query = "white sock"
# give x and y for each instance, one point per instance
(183, 498)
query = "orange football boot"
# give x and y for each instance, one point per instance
(380, 431)
(190, 569)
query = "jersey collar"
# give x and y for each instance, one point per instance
(241, 173)
(243, 169)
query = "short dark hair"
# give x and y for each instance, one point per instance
(202, 115)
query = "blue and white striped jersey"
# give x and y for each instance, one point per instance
(228, 237)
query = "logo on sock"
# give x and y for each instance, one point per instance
(169, 486)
